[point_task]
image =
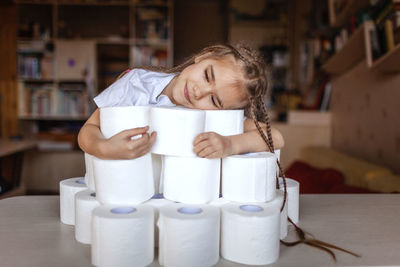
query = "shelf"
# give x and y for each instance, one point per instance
(53, 117)
(353, 51)
(351, 8)
(390, 62)
(29, 80)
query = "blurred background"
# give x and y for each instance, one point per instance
(334, 63)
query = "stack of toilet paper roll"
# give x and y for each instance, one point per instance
(117, 209)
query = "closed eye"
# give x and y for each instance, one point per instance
(213, 101)
(206, 76)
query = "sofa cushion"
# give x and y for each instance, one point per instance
(313, 180)
(356, 171)
(387, 183)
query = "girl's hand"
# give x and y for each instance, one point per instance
(121, 145)
(212, 145)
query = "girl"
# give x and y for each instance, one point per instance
(219, 77)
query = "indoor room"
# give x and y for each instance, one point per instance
(314, 85)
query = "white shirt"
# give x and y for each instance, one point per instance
(138, 87)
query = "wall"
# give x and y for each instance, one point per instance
(365, 115)
(198, 24)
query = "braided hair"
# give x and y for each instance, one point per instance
(257, 82)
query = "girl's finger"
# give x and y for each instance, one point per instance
(206, 151)
(137, 143)
(201, 137)
(200, 146)
(214, 155)
(134, 132)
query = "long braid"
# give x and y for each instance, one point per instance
(257, 88)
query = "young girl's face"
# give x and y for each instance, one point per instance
(209, 84)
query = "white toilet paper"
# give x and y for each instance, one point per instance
(283, 219)
(191, 180)
(123, 235)
(157, 201)
(224, 122)
(189, 235)
(176, 129)
(116, 119)
(293, 188)
(157, 166)
(85, 203)
(249, 177)
(123, 182)
(89, 177)
(250, 232)
(68, 189)
(219, 202)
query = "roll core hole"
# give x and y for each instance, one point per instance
(190, 210)
(158, 196)
(123, 210)
(93, 194)
(80, 181)
(251, 208)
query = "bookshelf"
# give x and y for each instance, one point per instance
(353, 51)
(69, 51)
(370, 41)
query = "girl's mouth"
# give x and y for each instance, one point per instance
(185, 90)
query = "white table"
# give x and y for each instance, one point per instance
(31, 233)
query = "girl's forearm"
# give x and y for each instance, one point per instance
(251, 141)
(90, 140)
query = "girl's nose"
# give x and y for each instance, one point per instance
(201, 91)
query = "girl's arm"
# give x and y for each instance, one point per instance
(213, 145)
(120, 146)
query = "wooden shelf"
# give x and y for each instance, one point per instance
(354, 50)
(352, 6)
(53, 117)
(388, 63)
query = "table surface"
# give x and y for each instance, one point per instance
(31, 233)
(8, 147)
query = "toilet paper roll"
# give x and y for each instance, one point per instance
(283, 219)
(224, 122)
(123, 182)
(176, 129)
(123, 235)
(250, 232)
(278, 154)
(293, 189)
(68, 189)
(89, 177)
(191, 180)
(157, 166)
(85, 203)
(249, 177)
(189, 235)
(219, 202)
(116, 119)
(157, 201)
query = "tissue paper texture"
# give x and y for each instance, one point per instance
(250, 232)
(189, 235)
(157, 201)
(293, 188)
(176, 129)
(116, 119)
(191, 180)
(89, 177)
(249, 177)
(123, 236)
(85, 203)
(68, 189)
(224, 122)
(123, 182)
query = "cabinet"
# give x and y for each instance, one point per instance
(69, 51)
(377, 39)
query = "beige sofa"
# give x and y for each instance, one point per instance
(357, 172)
